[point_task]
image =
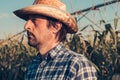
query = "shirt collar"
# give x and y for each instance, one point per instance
(52, 53)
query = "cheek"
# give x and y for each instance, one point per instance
(43, 32)
(47, 35)
(42, 35)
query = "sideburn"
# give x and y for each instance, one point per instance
(61, 34)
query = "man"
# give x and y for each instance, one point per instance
(47, 25)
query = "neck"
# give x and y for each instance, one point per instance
(44, 48)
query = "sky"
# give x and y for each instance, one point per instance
(10, 24)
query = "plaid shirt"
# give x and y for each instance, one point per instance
(61, 64)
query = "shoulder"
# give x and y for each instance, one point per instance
(80, 67)
(75, 57)
(78, 59)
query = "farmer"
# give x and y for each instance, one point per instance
(47, 24)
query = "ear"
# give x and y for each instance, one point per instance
(57, 27)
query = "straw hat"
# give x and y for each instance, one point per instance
(51, 8)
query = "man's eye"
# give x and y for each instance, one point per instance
(33, 20)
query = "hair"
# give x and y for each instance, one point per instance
(61, 34)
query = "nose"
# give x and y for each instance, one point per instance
(28, 25)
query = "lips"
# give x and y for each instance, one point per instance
(30, 35)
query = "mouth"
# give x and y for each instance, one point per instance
(30, 35)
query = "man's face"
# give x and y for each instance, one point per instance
(37, 30)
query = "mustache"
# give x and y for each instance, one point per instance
(30, 34)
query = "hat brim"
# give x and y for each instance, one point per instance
(49, 11)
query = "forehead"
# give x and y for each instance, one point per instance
(33, 16)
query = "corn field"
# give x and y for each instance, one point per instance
(103, 50)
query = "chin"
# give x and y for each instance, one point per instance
(32, 44)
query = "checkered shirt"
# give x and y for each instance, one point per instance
(61, 64)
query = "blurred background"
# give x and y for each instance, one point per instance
(98, 37)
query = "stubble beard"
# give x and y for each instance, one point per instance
(32, 41)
